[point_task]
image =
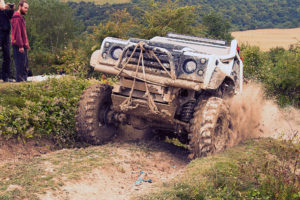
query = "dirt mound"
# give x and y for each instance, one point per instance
(255, 116)
(118, 179)
(14, 149)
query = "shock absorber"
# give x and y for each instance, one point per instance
(187, 111)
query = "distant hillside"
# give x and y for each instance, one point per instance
(243, 15)
(100, 2)
(269, 38)
(253, 14)
(90, 14)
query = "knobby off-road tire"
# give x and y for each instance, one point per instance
(211, 128)
(92, 109)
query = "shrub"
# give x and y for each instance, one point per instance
(41, 110)
(278, 70)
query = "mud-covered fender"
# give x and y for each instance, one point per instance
(217, 79)
(214, 75)
(219, 71)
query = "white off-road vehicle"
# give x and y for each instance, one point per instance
(173, 84)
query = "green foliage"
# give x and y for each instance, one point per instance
(249, 14)
(254, 170)
(157, 20)
(50, 27)
(278, 69)
(243, 15)
(216, 27)
(252, 60)
(91, 15)
(51, 31)
(50, 24)
(74, 59)
(120, 25)
(41, 61)
(101, 2)
(162, 18)
(45, 109)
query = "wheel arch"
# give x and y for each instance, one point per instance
(218, 79)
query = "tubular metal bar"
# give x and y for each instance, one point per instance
(164, 81)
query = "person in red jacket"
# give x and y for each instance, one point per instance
(19, 41)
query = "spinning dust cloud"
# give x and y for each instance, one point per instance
(254, 116)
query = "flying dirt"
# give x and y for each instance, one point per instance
(256, 116)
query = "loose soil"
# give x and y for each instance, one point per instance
(256, 116)
(118, 179)
(14, 150)
(130, 153)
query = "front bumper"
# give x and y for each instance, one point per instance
(151, 78)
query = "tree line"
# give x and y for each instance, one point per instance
(243, 15)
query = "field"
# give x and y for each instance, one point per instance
(101, 2)
(269, 38)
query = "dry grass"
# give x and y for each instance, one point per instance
(101, 2)
(269, 38)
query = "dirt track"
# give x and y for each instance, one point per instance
(118, 181)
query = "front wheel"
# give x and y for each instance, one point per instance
(211, 128)
(91, 124)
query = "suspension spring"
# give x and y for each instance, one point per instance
(187, 111)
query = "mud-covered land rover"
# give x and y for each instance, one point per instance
(172, 84)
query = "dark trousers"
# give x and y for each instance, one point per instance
(21, 63)
(5, 46)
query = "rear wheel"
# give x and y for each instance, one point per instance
(211, 128)
(91, 124)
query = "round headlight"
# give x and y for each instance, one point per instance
(116, 53)
(190, 66)
(202, 60)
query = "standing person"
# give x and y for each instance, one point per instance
(20, 41)
(6, 13)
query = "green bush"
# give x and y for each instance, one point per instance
(40, 110)
(278, 70)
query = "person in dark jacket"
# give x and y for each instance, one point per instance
(20, 41)
(6, 13)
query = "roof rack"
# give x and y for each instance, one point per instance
(196, 38)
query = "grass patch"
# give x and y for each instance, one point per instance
(261, 169)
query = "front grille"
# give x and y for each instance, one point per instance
(149, 62)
